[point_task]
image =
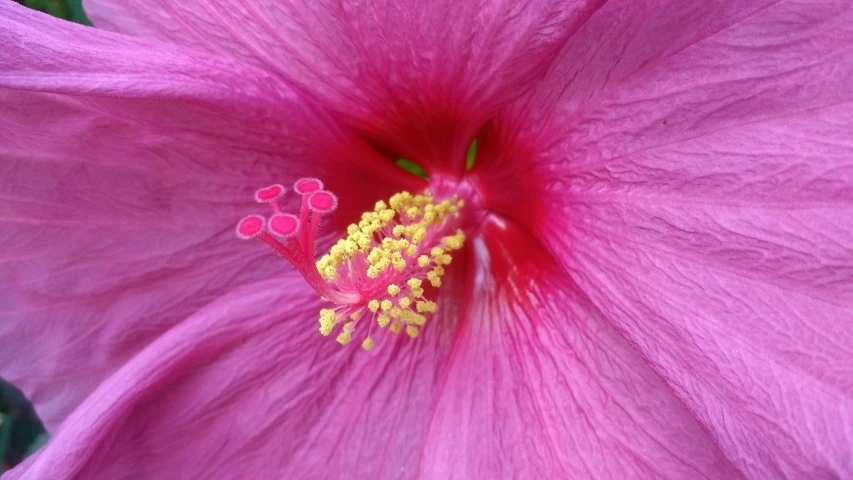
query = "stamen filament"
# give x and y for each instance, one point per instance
(375, 273)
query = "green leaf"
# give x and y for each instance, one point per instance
(412, 168)
(472, 155)
(76, 13)
(7, 423)
(39, 442)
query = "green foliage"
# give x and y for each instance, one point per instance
(472, 155)
(67, 9)
(21, 432)
(416, 169)
(412, 168)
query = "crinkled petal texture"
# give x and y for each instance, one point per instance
(687, 164)
(540, 385)
(419, 78)
(120, 199)
(700, 158)
(543, 387)
(246, 388)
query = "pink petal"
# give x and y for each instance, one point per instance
(542, 386)
(704, 193)
(118, 213)
(247, 388)
(747, 319)
(419, 78)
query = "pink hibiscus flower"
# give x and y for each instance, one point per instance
(655, 282)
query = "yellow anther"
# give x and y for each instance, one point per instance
(344, 338)
(436, 252)
(417, 292)
(429, 217)
(378, 268)
(395, 328)
(386, 305)
(420, 320)
(355, 315)
(373, 305)
(328, 318)
(367, 344)
(400, 201)
(398, 230)
(439, 271)
(398, 262)
(331, 273)
(411, 250)
(428, 307)
(350, 247)
(352, 228)
(388, 244)
(414, 282)
(395, 312)
(371, 229)
(409, 316)
(383, 320)
(434, 279)
(363, 242)
(337, 251)
(380, 206)
(393, 290)
(443, 259)
(419, 235)
(412, 331)
(423, 261)
(386, 216)
(375, 255)
(405, 302)
(455, 242)
(460, 203)
(413, 212)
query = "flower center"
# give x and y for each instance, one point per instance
(379, 272)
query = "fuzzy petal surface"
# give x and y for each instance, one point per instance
(248, 388)
(698, 189)
(419, 78)
(120, 198)
(540, 385)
